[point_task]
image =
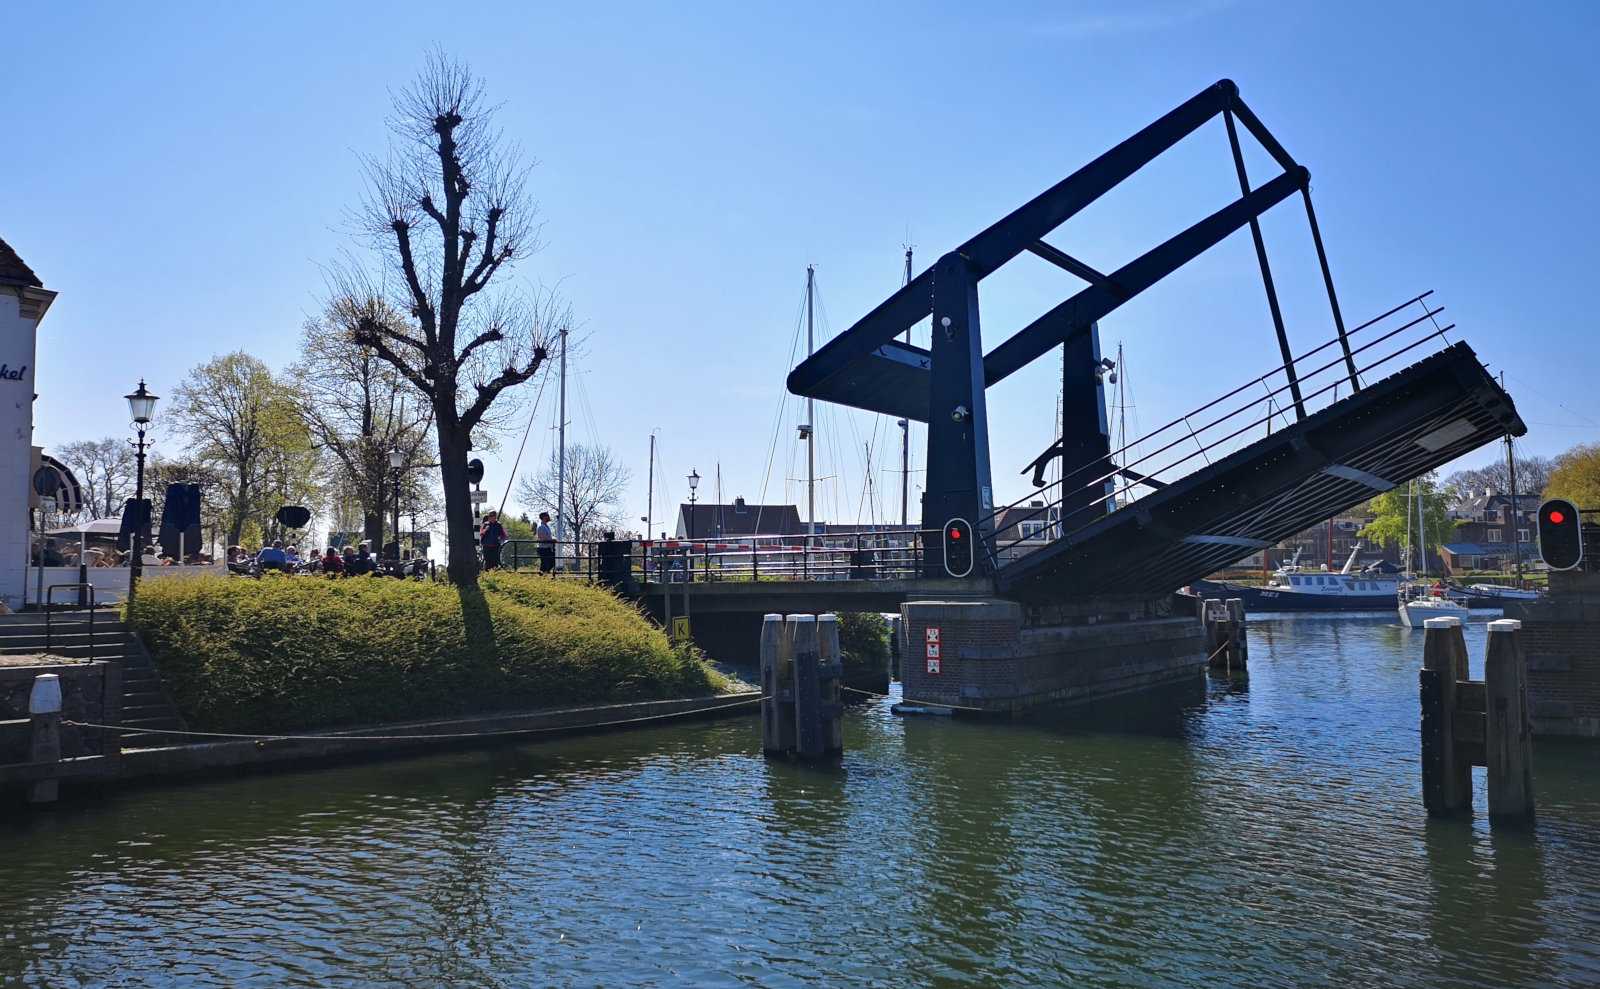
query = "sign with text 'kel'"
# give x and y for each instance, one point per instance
(933, 646)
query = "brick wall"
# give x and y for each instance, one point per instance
(990, 658)
(1561, 638)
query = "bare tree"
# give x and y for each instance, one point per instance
(590, 494)
(450, 212)
(1533, 473)
(105, 469)
(359, 409)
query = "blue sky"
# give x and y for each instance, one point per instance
(180, 172)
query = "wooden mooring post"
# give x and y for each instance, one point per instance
(1468, 723)
(1227, 648)
(800, 673)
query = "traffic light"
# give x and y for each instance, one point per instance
(958, 549)
(1560, 534)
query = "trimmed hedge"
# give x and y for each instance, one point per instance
(284, 653)
(864, 641)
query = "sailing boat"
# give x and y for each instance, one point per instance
(1418, 600)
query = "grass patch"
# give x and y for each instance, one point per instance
(285, 653)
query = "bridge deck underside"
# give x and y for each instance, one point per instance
(1389, 432)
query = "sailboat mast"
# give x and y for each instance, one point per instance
(905, 432)
(1511, 475)
(650, 490)
(811, 415)
(561, 446)
(1411, 491)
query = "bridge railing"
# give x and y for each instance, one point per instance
(1228, 423)
(867, 554)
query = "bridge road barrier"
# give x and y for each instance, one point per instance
(1227, 649)
(800, 671)
(1468, 723)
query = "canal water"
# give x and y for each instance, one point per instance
(1261, 833)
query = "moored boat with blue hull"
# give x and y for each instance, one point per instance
(1305, 597)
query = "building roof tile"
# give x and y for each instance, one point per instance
(15, 271)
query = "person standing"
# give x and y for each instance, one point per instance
(547, 544)
(491, 537)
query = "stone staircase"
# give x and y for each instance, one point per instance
(145, 703)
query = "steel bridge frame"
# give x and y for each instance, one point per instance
(867, 367)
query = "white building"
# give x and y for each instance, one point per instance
(23, 302)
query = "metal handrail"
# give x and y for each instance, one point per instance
(1259, 379)
(995, 547)
(49, 599)
(865, 554)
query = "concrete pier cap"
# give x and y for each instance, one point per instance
(1449, 621)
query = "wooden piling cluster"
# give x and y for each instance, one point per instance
(1227, 648)
(1468, 723)
(801, 712)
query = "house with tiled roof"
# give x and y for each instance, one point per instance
(23, 302)
(709, 520)
(1490, 526)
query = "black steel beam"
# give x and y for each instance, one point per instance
(1333, 297)
(1066, 262)
(1015, 233)
(1074, 316)
(1266, 271)
(1259, 131)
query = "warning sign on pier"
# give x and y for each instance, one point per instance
(932, 635)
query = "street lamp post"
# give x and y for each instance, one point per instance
(397, 461)
(141, 408)
(694, 482)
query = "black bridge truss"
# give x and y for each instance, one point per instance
(1317, 463)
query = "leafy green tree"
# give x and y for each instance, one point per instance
(1395, 512)
(1576, 476)
(864, 640)
(238, 420)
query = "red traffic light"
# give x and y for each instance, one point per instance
(1560, 535)
(958, 549)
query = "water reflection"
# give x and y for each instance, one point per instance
(1266, 831)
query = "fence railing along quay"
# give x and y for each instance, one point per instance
(868, 554)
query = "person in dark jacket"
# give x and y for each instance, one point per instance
(365, 562)
(547, 544)
(332, 563)
(491, 537)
